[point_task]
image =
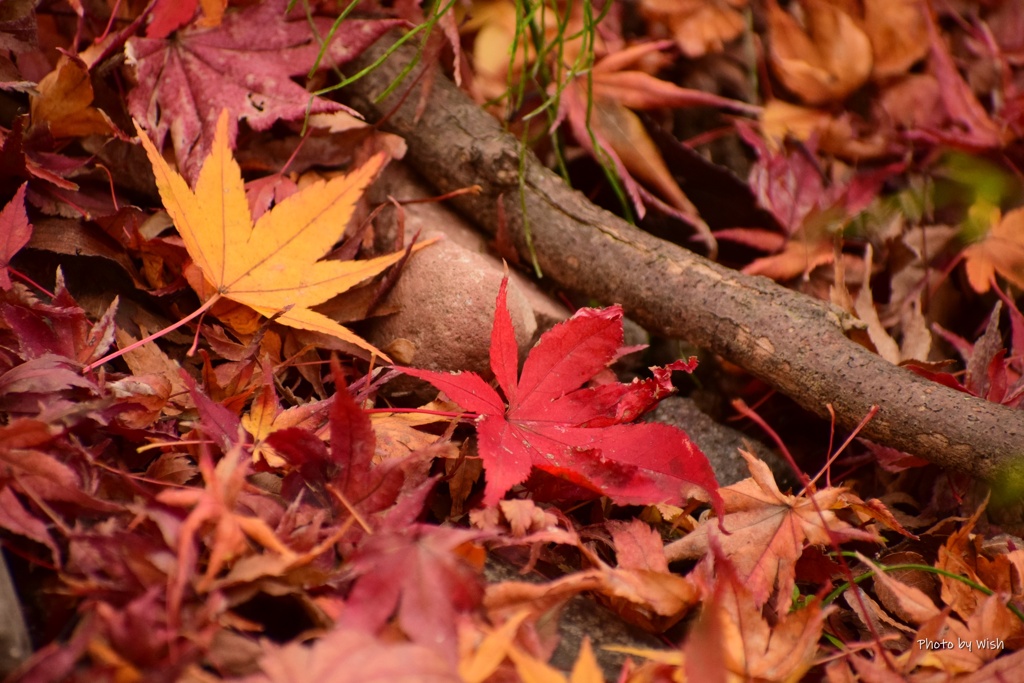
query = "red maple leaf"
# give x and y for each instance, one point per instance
(244, 65)
(575, 433)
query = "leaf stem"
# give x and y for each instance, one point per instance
(26, 279)
(156, 335)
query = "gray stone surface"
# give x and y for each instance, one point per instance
(719, 442)
(15, 646)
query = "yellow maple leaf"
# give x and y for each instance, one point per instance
(271, 266)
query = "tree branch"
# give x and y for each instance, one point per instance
(791, 341)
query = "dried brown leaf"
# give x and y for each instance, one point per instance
(823, 61)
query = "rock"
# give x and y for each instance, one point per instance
(430, 219)
(445, 302)
(720, 443)
(15, 645)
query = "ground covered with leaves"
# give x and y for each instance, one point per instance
(210, 471)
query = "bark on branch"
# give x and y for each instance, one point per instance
(793, 342)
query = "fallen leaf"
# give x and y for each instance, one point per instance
(500, 56)
(17, 520)
(598, 107)
(215, 517)
(15, 232)
(797, 258)
(345, 476)
(57, 328)
(420, 575)
(618, 130)
(898, 31)
(841, 134)
(1001, 669)
(271, 266)
(768, 531)
(19, 162)
(960, 102)
(1000, 251)
(637, 546)
(575, 433)
(958, 556)
(533, 670)
(914, 101)
(654, 600)
(40, 474)
(64, 103)
(169, 15)
(699, 27)
(821, 62)
(346, 655)
(244, 65)
(916, 337)
(398, 436)
(734, 641)
(586, 669)
(480, 660)
(522, 522)
(937, 625)
(259, 422)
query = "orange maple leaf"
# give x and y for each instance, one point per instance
(271, 266)
(698, 26)
(824, 62)
(734, 641)
(216, 518)
(769, 530)
(1000, 251)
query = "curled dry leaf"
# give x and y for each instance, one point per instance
(916, 339)
(983, 634)
(825, 60)
(598, 108)
(698, 26)
(898, 32)
(840, 134)
(64, 103)
(658, 598)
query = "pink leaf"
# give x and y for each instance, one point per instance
(244, 65)
(15, 232)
